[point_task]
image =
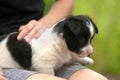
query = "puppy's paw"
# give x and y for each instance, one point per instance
(86, 61)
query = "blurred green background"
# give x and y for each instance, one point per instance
(106, 15)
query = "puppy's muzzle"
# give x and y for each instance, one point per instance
(86, 51)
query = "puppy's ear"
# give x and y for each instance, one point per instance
(84, 18)
(95, 27)
(59, 27)
(74, 26)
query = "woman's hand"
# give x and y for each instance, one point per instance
(2, 75)
(32, 30)
(59, 10)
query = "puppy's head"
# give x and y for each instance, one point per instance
(78, 31)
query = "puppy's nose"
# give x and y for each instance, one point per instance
(89, 51)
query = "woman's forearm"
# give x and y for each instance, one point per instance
(59, 10)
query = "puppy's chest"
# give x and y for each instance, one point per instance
(54, 52)
(44, 50)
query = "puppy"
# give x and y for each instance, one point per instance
(65, 43)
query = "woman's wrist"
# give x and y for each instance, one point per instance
(47, 22)
(42, 28)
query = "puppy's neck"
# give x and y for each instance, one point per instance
(60, 45)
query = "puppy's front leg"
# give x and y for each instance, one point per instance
(86, 61)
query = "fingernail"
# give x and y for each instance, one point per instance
(27, 40)
(37, 36)
(18, 38)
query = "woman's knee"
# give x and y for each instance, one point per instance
(87, 74)
(44, 77)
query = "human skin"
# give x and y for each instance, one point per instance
(59, 10)
(83, 74)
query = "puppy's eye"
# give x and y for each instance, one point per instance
(87, 36)
(82, 40)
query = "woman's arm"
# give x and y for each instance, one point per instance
(59, 10)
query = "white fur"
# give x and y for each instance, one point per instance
(6, 59)
(51, 54)
(91, 28)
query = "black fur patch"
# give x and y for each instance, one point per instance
(77, 38)
(2, 37)
(20, 50)
(75, 31)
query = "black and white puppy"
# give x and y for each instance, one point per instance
(65, 43)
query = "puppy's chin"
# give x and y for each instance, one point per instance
(86, 51)
(82, 55)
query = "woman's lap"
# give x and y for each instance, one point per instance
(68, 70)
(19, 74)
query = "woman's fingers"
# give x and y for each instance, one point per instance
(24, 30)
(2, 75)
(1, 72)
(33, 32)
(37, 35)
(32, 29)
